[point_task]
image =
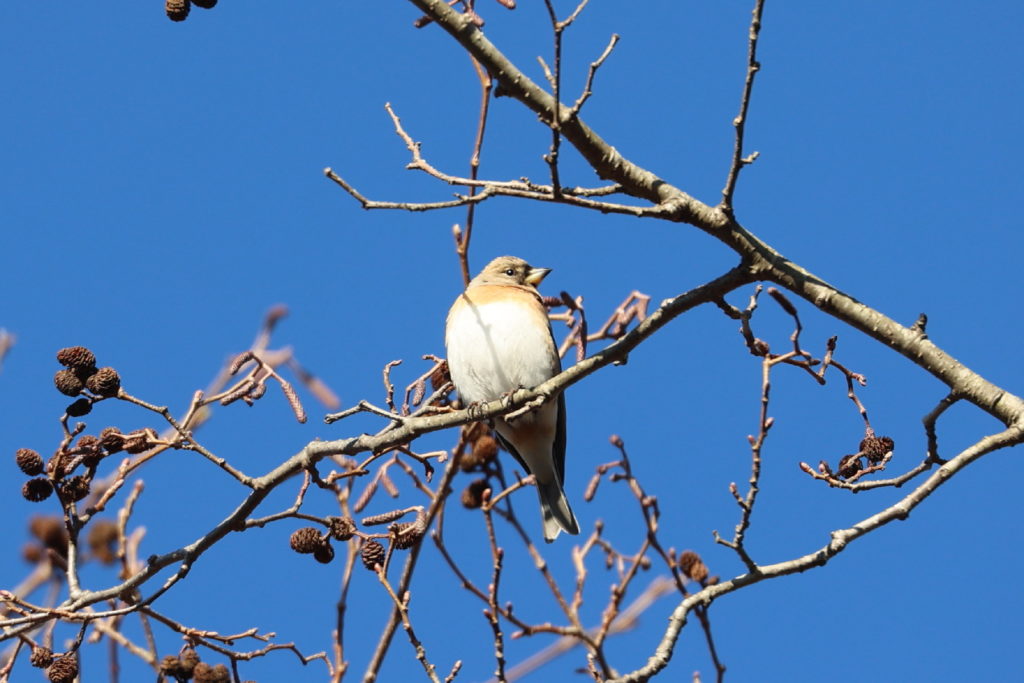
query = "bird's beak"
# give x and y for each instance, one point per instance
(535, 275)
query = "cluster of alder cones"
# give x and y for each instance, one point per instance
(402, 536)
(177, 10)
(79, 377)
(187, 666)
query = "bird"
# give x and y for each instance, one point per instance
(498, 339)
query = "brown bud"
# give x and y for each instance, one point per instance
(82, 406)
(473, 431)
(104, 382)
(41, 657)
(93, 459)
(76, 488)
(87, 443)
(469, 461)
(406, 534)
(188, 658)
(67, 382)
(76, 357)
(58, 464)
(84, 373)
(372, 554)
(177, 10)
(485, 448)
(31, 553)
(760, 347)
(849, 465)
(111, 440)
(50, 531)
(876, 448)
(306, 540)
(136, 442)
(170, 665)
(91, 450)
(37, 490)
(692, 566)
(209, 4)
(341, 528)
(473, 495)
(102, 540)
(324, 553)
(64, 669)
(204, 673)
(29, 461)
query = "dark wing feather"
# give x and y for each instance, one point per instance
(558, 449)
(511, 449)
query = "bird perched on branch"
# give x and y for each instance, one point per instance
(499, 339)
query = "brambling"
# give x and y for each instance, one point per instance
(499, 339)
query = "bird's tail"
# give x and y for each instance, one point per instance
(555, 511)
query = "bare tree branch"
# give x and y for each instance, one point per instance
(739, 123)
(821, 556)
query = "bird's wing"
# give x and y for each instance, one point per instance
(558, 448)
(512, 450)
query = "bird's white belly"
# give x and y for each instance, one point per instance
(499, 347)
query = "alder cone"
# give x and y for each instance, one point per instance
(177, 10)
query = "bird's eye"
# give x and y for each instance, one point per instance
(510, 272)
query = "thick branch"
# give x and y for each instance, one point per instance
(676, 205)
(604, 158)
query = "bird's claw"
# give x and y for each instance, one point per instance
(509, 397)
(475, 409)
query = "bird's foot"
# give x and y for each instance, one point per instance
(509, 397)
(476, 409)
(530, 406)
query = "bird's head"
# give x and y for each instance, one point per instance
(510, 270)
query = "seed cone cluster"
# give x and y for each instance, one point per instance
(177, 10)
(401, 535)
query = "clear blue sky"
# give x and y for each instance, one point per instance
(162, 188)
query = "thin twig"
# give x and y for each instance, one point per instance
(818, 557)
(462, 241)
(739, 123)
(402, 605)
(594, 66)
